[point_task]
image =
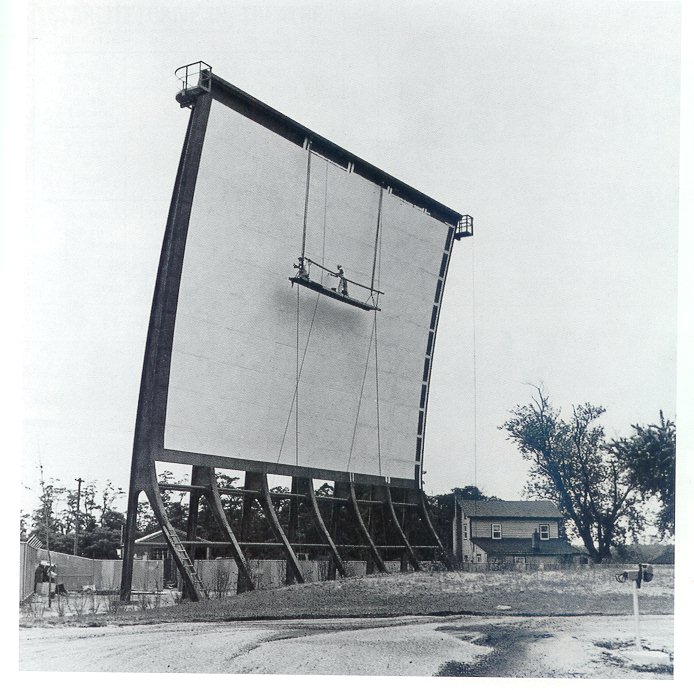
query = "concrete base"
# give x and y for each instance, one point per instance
(646, 657)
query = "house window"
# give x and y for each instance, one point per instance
(479, 557)
(465, 558)
(159, 554)
(496, 531)
(464, 530)
(544, 532)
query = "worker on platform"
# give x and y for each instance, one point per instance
(303, 271)
(342, 281)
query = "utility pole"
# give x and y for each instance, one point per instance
(77, 514)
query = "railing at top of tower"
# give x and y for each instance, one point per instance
(195, 78)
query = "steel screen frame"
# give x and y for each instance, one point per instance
(152, 407)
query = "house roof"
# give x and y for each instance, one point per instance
(524, 547)
(510, 509)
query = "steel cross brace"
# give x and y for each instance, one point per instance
(205, 476)
(306, 486)
(398, 527)
(364, 530)
(258, 481)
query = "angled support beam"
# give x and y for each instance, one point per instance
(259, 481)
(192, 583)
(307, 486)
(360, 523)
(205, 476)
(398, 528)
(427, 521)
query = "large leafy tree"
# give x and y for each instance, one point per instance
(650, 453)
(572, 465)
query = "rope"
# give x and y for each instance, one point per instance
(308, 185)
(296, 387)
(325, 212)
(378, 230)
(300, 366)
(379, 243)
(361, 395)
(378, 407)
(474, 364)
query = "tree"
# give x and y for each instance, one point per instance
(441, 509)
(572, 465)
(650, 453)
(100, 523)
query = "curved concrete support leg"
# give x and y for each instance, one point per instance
(260, 482)
(427, 521)
(360, 522)
(205, 476)
(398, 527)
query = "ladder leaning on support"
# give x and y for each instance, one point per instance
(181, 555)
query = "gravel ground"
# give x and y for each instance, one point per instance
(568, 647)
(569, 624)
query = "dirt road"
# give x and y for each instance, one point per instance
(574, 647)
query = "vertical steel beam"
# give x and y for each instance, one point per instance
(205, 476)
(247, 508)
(192, 527)
(192, 523)
(365, 532)
(293, 527)
(129, 544)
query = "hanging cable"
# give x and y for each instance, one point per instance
(296, 387)
(361, 395)
(325, 217)
(294, 405)
(301, 369)
(308, 186)
(474, 364)
(378, 407)
(377, 251)
(378, 232)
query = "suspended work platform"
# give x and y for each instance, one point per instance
(338, 293)
(333, 293)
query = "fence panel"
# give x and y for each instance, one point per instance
(29, 557)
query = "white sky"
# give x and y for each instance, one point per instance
(556, 125)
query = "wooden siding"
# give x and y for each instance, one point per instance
(517, 528)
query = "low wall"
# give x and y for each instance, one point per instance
(76, 572)
(219, 576)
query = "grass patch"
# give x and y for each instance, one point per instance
(580, 592)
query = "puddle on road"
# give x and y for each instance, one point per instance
(508, 645)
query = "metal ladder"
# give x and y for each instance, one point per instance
(188, 566)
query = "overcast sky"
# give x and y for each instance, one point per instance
(556, 125)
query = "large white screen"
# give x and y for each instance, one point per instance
(233, 381)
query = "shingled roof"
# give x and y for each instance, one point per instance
(510, 509)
